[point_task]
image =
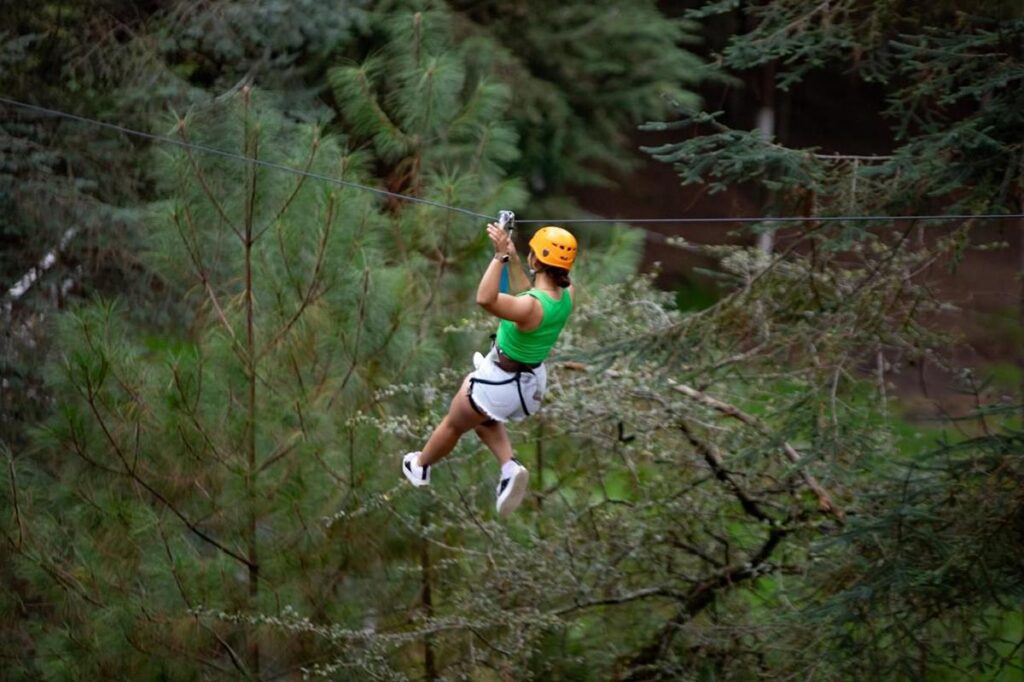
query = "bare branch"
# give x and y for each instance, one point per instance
(825, 502)
(14, 500)
(714, 460)
(623, 599)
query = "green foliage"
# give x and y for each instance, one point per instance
(857, 35)
(961, 115)
(719, 490)
(693, 295)
(661, 538)
(276, 43)
(729, 156)
(195, 449)
(427, 119)
(571, 68)
(64, 230)
(194, 473)
(946, 577)
(916, 583)
(953, 102)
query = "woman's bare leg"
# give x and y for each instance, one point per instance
(495, 437)
(461, 418)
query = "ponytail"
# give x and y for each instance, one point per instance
(559, 275)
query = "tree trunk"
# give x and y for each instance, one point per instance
(1020, 298)
(540, 463)
(21, 287)
(766, 129)
(250, 417)
(427, 601)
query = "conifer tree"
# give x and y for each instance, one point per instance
(187, 476)
(655, 522)
(62, 230)
(194, 471)
(281, 46)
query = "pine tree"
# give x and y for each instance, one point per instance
(196, 470)
(281, 46)
(59, 217)
(656, 523)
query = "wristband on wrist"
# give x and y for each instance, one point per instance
(503, 257)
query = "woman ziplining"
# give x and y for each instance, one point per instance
(508, 383)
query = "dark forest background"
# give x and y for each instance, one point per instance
(770, 450)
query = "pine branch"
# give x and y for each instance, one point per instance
(314, 282)
(201, 272)
(14, 502)
(200, 175)
(360, 317)
(299, 183)
(90, 397)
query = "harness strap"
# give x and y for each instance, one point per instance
(519, 390)
(488, 382)
(513, 379)
(472, 403)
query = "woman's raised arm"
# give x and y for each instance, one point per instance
(525, 311)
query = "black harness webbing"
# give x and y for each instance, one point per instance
(513, 379)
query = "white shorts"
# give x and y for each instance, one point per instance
(505, 395)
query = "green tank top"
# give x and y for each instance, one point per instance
(533, 346)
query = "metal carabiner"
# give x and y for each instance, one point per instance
(507, 221)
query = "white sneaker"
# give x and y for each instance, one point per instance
(512, 489)
(416, 474)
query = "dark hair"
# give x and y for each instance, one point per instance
(560, 275)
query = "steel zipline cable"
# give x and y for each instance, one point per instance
(56, 113)
(238, 157)
(783, 219)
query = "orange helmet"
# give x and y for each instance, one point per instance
(554, 246)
